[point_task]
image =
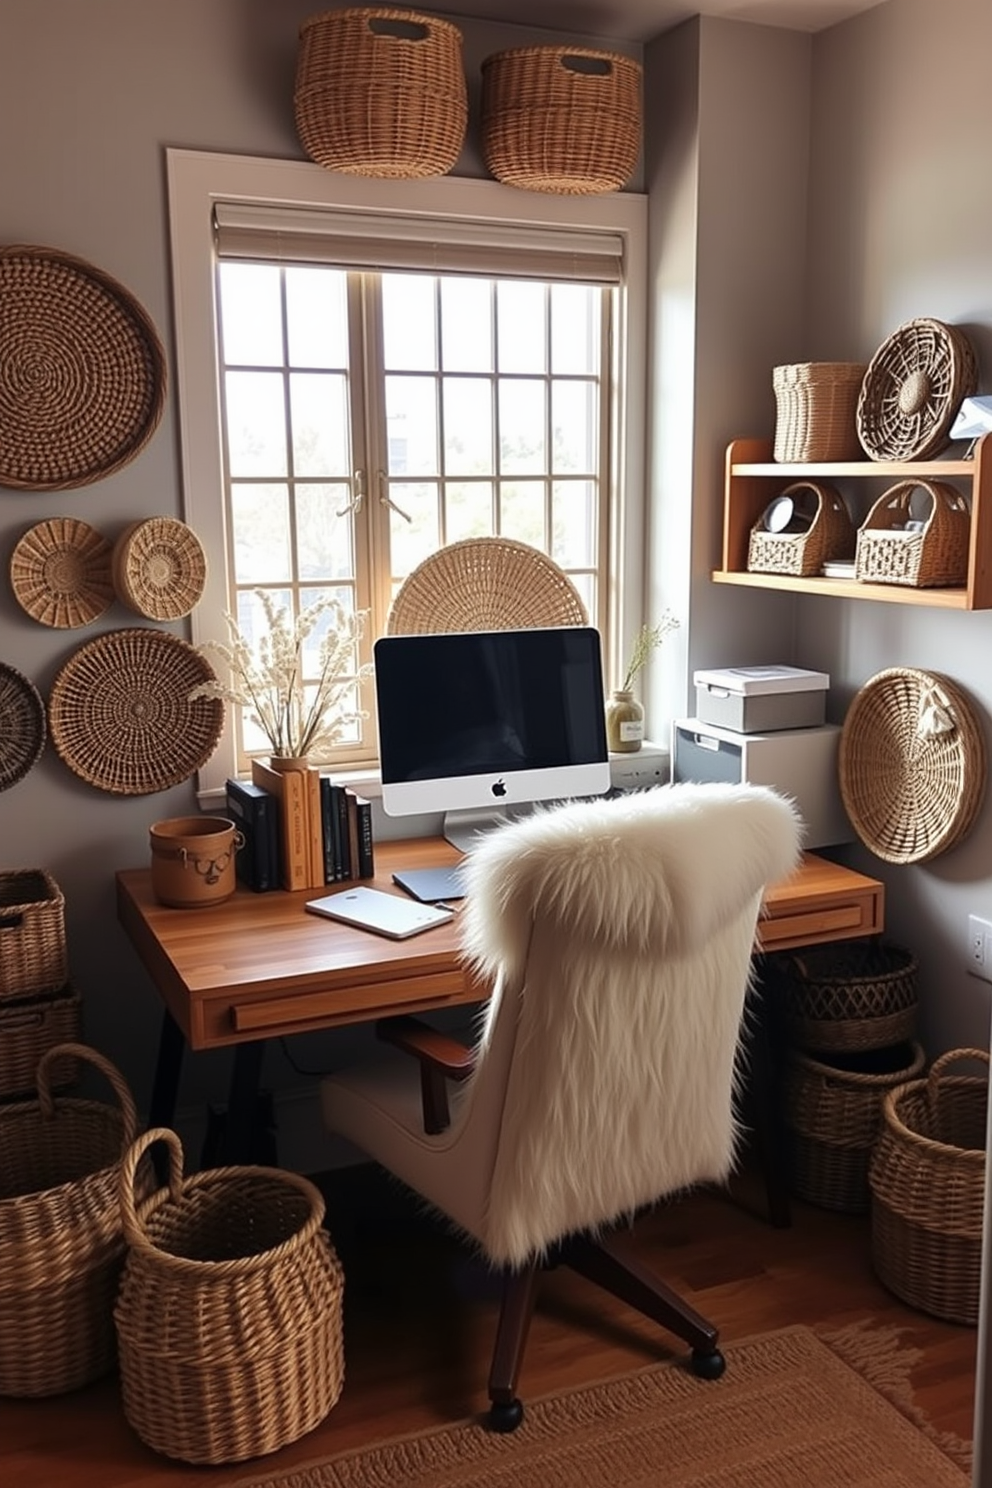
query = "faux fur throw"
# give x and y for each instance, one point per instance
(618, 934)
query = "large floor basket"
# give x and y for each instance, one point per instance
(229, 1317)
(927, 1181)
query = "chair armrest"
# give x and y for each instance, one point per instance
(441, 1058)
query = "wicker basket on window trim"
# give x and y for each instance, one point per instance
(913, 388)
(485, 583)
(815, 407)
(887, 554)
(830, 535)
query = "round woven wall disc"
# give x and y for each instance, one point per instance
(82, 372)
(485, 583)
(913, 388)
(911, 765)
(159, 568)
(120, 714)
(60, 573)
(22, 725)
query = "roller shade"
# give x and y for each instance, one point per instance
(433, 245)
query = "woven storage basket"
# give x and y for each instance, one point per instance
(61, 1244)
(913, 388)
(833, 1109)
(29, 1027)
(815, 410)
(830, 535)
(561, 119)
(485, 583)
(927, 1179)
(381, 92)
(848, 997)
(229, 1313)
(887, 554)
(32, 933)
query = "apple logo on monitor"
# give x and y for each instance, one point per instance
(499, 788)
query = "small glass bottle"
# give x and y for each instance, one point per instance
(624, 723)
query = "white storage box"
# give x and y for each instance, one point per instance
(800, 763)
(757, 699)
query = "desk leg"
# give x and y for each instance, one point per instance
(243, 1139)
(168, 1068)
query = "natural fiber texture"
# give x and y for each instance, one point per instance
(833, 1110)
(913, 388)
(159, 568)
(888, 554)
(60, 573)
(32, 933)
(381, 92)
(790, 1409)
(854, 995)
(22, 725)
(911, 764)
(61, 1246)
(485, 583)
(561, 119)
(830, 535)
(927, 1180)
(815, 410)
(82, 372)
(29, 1027)
(229, 1315)
(121, 717)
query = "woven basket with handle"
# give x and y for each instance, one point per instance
(937, 554)
(33, 954)
(830, 535)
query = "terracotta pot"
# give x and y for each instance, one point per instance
(193, 860)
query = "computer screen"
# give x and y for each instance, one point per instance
(478, 723)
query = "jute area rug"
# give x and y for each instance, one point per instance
(793, 1410)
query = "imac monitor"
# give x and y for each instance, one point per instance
(476, 724)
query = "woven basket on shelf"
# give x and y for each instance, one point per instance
(561, 119)
(815, 407)
(888, 554)
(60, 573)
(927, 1180)
(29, 1027)
(848, 997)
(485, 583)
(381, 92)
(833, 1110)
(830, 535)
(32, 933)
(912, 390)
(159, 568)
(229, 1316)
(61, 1244)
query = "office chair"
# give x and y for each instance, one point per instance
(485, 583)
(616, 935)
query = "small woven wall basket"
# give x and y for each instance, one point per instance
(830, 535)
(913, 388)
(61, 1243)
(927, 1180)
(23, 726)
(911, 765)
(381, 92)
(561, 119)
(29, 1027)
(848, 997)
(229, 1317)
(833, 1109)
(60, 573)
(33, 955)
(159, 568)
(887, 553)
(485, 583)
(815, 410)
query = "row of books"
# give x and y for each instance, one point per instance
(301, 829)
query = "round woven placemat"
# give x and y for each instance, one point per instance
(22, 725)
(60, 573)
(911, 765)
(82, 372)
(485, 583)
(159, 568)
(120, 714)
(913, 388)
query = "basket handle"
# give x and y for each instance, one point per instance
(134, 1232)
(940, 1065)
(397, 28)
(110, 1072)
(591, 67)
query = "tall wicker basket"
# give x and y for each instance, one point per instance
(229, 1312)
(61, 1244)
(815, 406)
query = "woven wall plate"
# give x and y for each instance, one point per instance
(485, 583)
(82, 372)
(60, 573)
(22, 725)
(913, 388)
(159, 568)
(912, 765)
(120, 716)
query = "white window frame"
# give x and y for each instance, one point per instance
(197, 181)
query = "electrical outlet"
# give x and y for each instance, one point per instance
(980, 947)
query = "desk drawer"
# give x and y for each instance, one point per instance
(837, 918)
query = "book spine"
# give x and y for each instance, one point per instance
(253, 811)
(347, 871)
(366, 857)
(327, 826)
(351, 804)
(288, 787)
(315, 835)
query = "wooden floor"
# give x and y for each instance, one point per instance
(419, 1320)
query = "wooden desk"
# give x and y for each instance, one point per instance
(259, 966)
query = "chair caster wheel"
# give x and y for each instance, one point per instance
(503, 1417)
(709, 1365)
